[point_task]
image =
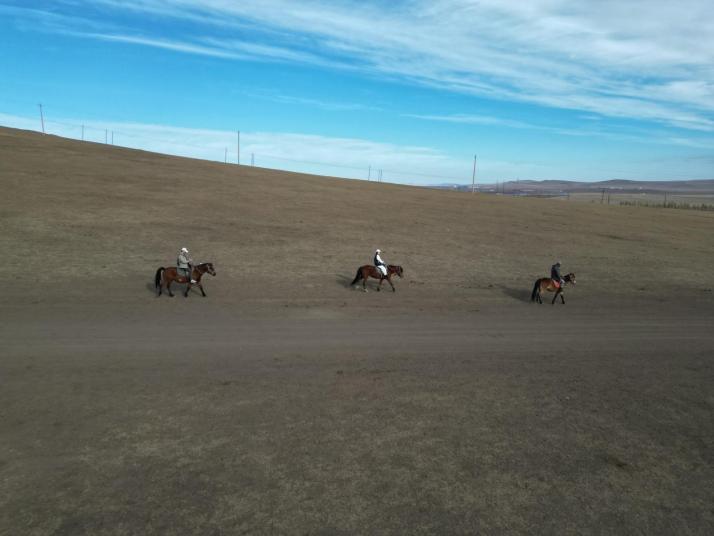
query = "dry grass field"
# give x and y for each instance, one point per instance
(615, 198)
(287, 402)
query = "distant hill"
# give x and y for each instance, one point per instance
(560, 186)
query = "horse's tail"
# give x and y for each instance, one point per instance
(357, 277)
(535, 290)
(157, 279)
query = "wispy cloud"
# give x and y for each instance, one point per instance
(639, 59)
(344, 157)
(590, 130)
(474, 120)
(315, 103)
(352, 157)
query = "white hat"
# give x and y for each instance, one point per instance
(378, 251)
(184, 250)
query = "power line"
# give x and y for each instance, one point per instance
(83, 129)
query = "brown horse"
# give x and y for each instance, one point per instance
(367, 271)
(546, 283)
(166, 276)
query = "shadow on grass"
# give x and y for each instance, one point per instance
(176, 288)
(520, 294)
(344, 280)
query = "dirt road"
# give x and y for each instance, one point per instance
(512, 419)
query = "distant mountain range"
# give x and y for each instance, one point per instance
(556, 186)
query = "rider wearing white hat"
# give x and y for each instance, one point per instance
(379, 263)
(185, 264)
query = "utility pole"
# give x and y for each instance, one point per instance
(369, 173)
(238, 148)
(380, 176)
(106, 136)
(112, 137)
(82, 132)
(602, 199)
(252, 159)
(42, 118)
(473, 177)
(225, 158)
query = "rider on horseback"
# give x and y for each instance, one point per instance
(555, 274)
(379, 263)
(185, 264)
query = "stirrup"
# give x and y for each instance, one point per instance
(193, 281)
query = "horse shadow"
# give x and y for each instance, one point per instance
(176, 287)
(520, 294)
(344, 280)
(151, 287)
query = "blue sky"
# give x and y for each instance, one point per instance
(545, 89)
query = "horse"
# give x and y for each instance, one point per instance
(546, 283)
(166, 276)
(367, 271)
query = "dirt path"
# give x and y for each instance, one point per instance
(213, 421)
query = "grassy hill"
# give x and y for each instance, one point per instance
(107, 217)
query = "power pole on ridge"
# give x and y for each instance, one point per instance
(238, 148)
(473, 177)
(42, 118)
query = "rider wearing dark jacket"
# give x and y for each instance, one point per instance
(555, 274)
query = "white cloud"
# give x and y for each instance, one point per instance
(342, 157)
(352, 158)
(470, 119)
(638, 59)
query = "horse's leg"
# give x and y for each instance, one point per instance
(364, 281)
(557, 293)
(562, 298)
(168, 287)
(389, 280)
(379, 287)
(201, 287)
(188, 287)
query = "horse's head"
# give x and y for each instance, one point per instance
(570, 278)
(207, 267)
(397, 270)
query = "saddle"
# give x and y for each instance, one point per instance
(556, 283)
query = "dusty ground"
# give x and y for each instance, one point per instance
(286, 402)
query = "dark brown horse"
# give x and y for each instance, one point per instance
(367, 271)
(166, 276)
(546, 283)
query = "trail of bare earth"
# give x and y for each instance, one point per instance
(505, 419)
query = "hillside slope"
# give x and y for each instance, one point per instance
(107, 217)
